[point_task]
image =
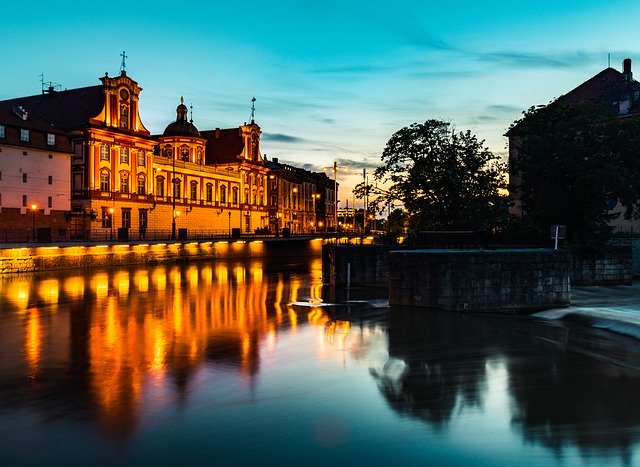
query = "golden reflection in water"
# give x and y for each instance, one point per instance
(141, 281)
(74, 286)
(337, 332)
(147, 325)
(100, 285)
(122, 283)
(18, 293)
(33, 341)
(49, 290)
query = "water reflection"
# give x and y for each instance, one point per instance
(565, 392)
(94, 346)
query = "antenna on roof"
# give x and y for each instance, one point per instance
(123, 65)
(609, 60)
(253, 109)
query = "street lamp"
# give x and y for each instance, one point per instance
(229, 224)
(111, 222)
(34, 206)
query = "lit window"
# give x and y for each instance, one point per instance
(160, 186)
(194, 191)
(184, 154)
(209, 192)
(141, 185)
(104, 152)
(124, 116)
(235, 195)
(124, 183)
(168, 153)
(51, 139)
(176, 188)
(199, 156)
(223, 194)
(126, 218)
(124, 155)
(142, 161)
(104, 181)
(24, 136)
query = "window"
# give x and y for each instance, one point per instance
(124, 116)
(0, 174)
(104, 152)
(142, 185)
(223, 194)
(209, 192)
(51, 139)
(104, 181)
(194, 191)
(106, 218)
(142, 160)
(246, 196)
(77, 181)
(126, 218)
(176, 188)
(255, 198)
(199, 156)
(24, 200)
(274, 200)
(50, 201)
(124, 155)
(274, 185)
(184, 153)
(2, 134)
(235, 195)
(124, 182)
(24, 178)
(142, 220)
(160, 186)
(24, 136)
(50, 180)
(168, 153)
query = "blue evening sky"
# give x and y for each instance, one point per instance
(333, 79)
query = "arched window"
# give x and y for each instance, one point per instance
(184, 153)
(223, 193)
(209, 192)
(235, 195)
(199, 156)
(124, 182)
(168, 152)
(142, 184)
(124, 116)
(246, 196)
(105, 180)
(255, 197)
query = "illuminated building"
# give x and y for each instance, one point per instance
(126, 182)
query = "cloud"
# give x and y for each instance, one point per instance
(504, 108)
(282, 138)
(519, 59)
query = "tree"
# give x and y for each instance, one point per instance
(447, 180)
(572, 162)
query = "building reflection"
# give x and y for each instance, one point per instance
(561, 396)
(96, 345)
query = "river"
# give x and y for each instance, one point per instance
(256, 363)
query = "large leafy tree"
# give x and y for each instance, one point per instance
(446, 180)
(572, 163)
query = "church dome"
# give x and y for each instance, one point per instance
(181, 127)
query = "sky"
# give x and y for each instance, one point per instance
(333, 80)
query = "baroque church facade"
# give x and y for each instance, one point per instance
(125, 182)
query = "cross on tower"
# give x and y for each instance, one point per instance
(253, 109)
(123, 65)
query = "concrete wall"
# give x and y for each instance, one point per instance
(480, 280)
(615, 266)
(367, 265)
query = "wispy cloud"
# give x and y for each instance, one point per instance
(282, 138)
(523, 59)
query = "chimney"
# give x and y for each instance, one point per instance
(626, 69)
(274, 159)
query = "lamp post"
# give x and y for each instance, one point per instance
(229, 223)
(34, 206)
(111, 222)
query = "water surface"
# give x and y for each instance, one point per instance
(242, 363)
